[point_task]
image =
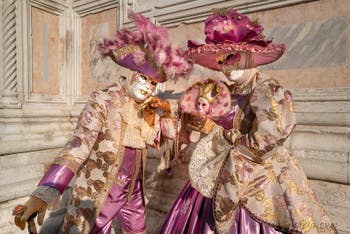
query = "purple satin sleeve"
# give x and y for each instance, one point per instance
(58, 177)
(226, 121)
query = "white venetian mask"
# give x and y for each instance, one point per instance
(235, 75)
(202, 106)
(140, 86)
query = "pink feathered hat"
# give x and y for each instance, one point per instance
(147, 50)
(233, 39)
(216, 91)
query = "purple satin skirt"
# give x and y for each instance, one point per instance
(192, 214)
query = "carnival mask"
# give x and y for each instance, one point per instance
(140, 86)
(207, 95)
(234, 75)
(209, 99)
(203, 106)
(228, 61)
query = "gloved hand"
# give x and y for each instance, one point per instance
(157, 103)
(27, 212)
(149, 115)
(149, 108)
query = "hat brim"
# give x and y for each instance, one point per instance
(251, 55)
(125, 57)
(147, 68)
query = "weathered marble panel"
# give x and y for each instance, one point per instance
(45, 51)
(176, 12)
(312, 44)
(95, 72)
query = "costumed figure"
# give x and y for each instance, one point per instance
(242, 178)
(107, 153)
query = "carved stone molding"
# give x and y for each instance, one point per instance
(321, 139)
(9, 65)
(322, 107)
(21, 173)
(53, 6)
(333, 94)
(175, 12)
(85, 7)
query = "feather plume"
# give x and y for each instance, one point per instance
(155, 39)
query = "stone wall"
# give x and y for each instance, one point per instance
(35, 121)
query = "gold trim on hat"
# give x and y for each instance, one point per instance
(122, 52)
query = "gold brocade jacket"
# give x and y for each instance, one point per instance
(259, 173)
(109, 122)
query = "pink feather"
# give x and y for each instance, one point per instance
(155, 39)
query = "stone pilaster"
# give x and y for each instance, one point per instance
(10, 86)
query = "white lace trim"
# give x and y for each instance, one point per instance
(206, 161)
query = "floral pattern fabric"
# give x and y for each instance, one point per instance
(96, 150)
(261, 175)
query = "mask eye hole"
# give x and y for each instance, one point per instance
(141, 79)
(229, 56)
(154, 83)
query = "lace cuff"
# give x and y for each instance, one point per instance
(48, 194)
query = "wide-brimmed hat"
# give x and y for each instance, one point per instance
(233, 39)
(147, 50)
